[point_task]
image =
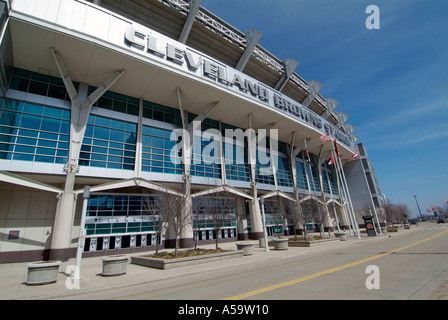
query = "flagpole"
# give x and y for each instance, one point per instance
(342, 193)
(340, 190)
(332, 198)
(349, 197)
(349, 200)
(308, 161)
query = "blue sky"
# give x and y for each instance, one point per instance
(392, 82)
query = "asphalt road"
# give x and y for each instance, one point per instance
(413, 265)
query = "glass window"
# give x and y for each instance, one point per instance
(52, 125)
(101, 121)
(13, 105)
(112, 135)
(39, 88)
(47, 143)
(9, 118)
(33, 109)
(157, 142)
(30, 122)
(300, 176)
(119, 106)
(23, 157)
(57, 92)
(116, 135)
(27, 132)
(42, 135)
(53, 112)
(101, 133)
(27, 141)
(19, 84)
(133, 109)
(24, 149)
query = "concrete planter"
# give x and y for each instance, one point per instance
(310, 243)
(246, 247)
(43, 272)
(280, 243)
(341, 236)
(182, 262)
(114, 265)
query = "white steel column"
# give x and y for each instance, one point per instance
(81, 103)
(292, 160)
(252, 38)
(254, 207)
(139, 146)
(221, 156)
(241, 221)
(189, 131)
(315, 87)
(289, 66)
(193, 10)
(331, 105)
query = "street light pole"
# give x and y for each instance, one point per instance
(266, 248)
(85, 196)
(418, 207)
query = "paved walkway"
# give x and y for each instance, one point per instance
(13, 276)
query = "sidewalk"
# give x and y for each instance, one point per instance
(13, 276)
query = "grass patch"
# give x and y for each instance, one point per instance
(184, 253)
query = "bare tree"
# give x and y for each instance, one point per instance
(298, 213)
(293, 214)
(168, 210)
(179, 214)
(153, 208)
(312, 210)
(274, 213)
(403, 212)
(219, 209)
(199, 219)
(396, 213)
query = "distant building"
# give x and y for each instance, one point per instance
(363, 186)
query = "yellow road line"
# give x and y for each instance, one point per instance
(345, 266)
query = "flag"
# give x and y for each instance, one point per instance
(331, 160)
(356, 155)
(325, 138)
(308, 160)
(336, 148)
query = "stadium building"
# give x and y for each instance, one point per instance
(140, 98)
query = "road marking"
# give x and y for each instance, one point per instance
(345, 266)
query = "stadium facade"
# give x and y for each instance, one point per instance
(141, 98)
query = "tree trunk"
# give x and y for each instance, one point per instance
(217, 240)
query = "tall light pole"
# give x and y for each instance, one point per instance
(82, 234)
(266, 248)
(418, 207)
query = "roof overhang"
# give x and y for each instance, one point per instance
(91, 57)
